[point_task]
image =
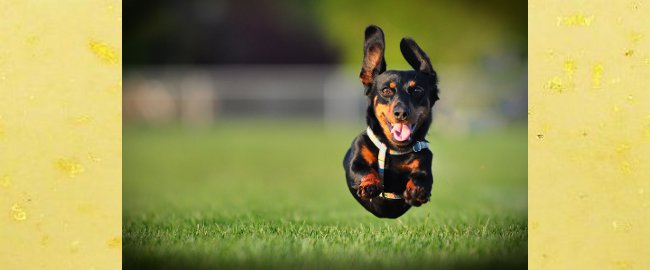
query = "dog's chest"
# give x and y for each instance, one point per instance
(396, 172)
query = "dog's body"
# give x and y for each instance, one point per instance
(398, 118)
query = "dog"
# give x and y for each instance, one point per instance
(388, 166)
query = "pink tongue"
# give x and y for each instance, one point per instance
(401, 132)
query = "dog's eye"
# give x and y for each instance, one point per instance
(386, 91)
(417, 91)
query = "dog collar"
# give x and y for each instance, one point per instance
(381, 157)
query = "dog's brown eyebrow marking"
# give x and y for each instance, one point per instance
(392, 84)
(411, 83)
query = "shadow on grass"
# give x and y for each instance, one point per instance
(133, 259)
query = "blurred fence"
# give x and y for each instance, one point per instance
(198, 95)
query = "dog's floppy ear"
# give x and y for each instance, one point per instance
(373, 55)
(420, 62)
(415, 56)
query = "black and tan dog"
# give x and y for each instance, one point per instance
(388, 167)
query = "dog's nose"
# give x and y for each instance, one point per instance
(400, 112)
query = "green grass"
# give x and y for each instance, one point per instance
(273, 195)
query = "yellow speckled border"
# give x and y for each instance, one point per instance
(589, 134)
(60, 134)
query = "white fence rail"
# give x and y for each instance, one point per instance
(199, 95)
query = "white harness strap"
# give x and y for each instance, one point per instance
(381, 157)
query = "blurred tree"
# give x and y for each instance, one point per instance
(222, 32)
(318, 32)
(448, 30)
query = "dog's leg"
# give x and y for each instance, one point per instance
(418, 187)
(361, 173)
(370, 186)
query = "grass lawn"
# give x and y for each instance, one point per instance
(273, 195)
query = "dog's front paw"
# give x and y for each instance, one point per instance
(416, 195)
(370, 187)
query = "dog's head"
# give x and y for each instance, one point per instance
(400, 101)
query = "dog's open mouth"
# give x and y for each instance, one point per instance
(401, 131)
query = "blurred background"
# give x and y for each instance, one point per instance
(237, 115)
(196, 62)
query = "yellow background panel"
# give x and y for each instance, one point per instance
(589, 134)
(60, 134)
